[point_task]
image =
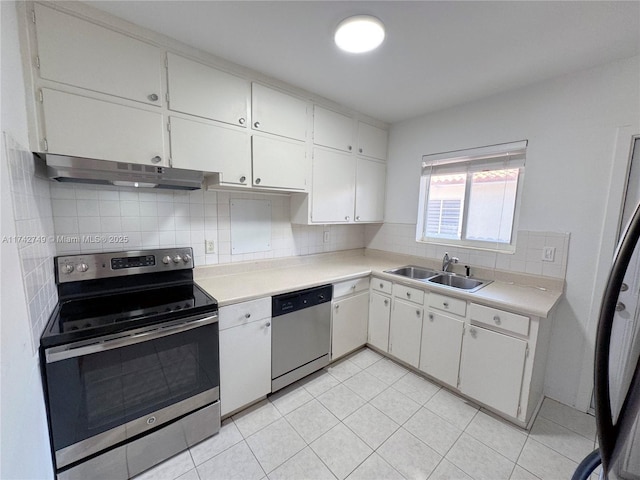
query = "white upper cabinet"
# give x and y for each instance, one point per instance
(79, 53)
(278, 113)
(211, 148)
(207, 92)
(372, 141)
(371, 178)
(331, 129)
(333, 188)
(84, 127)
(279, 163)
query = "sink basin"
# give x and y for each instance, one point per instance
(455, 281)
(411, 271)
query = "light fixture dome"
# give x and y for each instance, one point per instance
(359, 34)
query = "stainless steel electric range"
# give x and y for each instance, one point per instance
(129, 362)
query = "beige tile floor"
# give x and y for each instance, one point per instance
(369, 418)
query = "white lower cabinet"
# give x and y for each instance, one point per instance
(441, 347)
(405, 331)
(349, 317)
(245, 353)
(379, 317)
(492, 368)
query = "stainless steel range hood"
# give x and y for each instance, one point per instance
(101, 172)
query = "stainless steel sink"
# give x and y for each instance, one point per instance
(456, 281)
(414, 272)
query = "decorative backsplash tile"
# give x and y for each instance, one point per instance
(401, 238)
(35, 234)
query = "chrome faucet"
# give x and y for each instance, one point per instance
(447, 260)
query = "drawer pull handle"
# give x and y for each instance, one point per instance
(353, 287)
(418, 313)
(496, 319)
(386, 302)
(409, 294)
(247, 315)
(445, 304)
(431, 317)
(381, 285)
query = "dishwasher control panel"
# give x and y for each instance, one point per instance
(294, 301)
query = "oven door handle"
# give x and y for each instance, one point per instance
(78, 349)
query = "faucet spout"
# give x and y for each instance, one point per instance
(447, 261)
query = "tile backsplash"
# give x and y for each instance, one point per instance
(34, 234)
(93, 219)
(401, 238)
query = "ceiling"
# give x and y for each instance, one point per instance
(437, 54)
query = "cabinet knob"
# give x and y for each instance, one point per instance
(336, 306)
(258, 181)
(153, 97)
(624, 287)
(359, 150)
(247, 315)
(381, 285)
(445, 304)
(473, 332)
(349, 147)
(496, 319)
(243, 179)
(353, 287)
(431, 317)
(358, 218)
(268, 324)
(256, 125)
(241, 120)
(386, 302)
(418, 313)
(156, 159)
(408, 294)
(620, 307)
(347, 218)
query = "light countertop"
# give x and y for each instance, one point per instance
(236, 283)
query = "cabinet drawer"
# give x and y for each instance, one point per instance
(243, 313)
(448, 304)
(499, 319)
(352, 286)
(408, 293)
(381, 285)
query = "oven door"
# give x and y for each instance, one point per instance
(102, 392)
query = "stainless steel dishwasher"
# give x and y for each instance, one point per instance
(300, 335)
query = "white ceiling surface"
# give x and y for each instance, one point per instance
(437, 53)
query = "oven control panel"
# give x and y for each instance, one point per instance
(91, 266)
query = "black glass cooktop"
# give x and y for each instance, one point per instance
(88, 317)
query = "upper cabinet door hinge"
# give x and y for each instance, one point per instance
(45, 144)
(167, 97)
(33, 16)
(37, 61)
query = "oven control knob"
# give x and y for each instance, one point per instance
(83, 267)
(177, 259)
(67, 268)
(186, 258)
(166, 260)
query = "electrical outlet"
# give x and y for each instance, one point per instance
(209, 246)
(326, 237)
(548, 254)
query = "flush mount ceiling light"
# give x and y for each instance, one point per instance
(359, 34)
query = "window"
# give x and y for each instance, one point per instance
(471, 197)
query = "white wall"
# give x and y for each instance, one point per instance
(24, 442)
(571, 124)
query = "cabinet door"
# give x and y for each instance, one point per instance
(492, 368)
(379, 313)
(278, 113)
(331, 129)
(372, 141)
(279, 163)
(83, 127)
(405, 331)
(80, 53)
(349, 324)
(211, 148)
(441, 347)
(333, 190)
(204, 91)
(245, 364)
(370, 186)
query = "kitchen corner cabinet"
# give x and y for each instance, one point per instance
(405, 326)
(278, 113)
(349, 317)
(379, 313)
(245, 353)
(204, 91)
(197, 145)
(372, 141)
(85, 127)
(79, 53)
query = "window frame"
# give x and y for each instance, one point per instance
(495, 157)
